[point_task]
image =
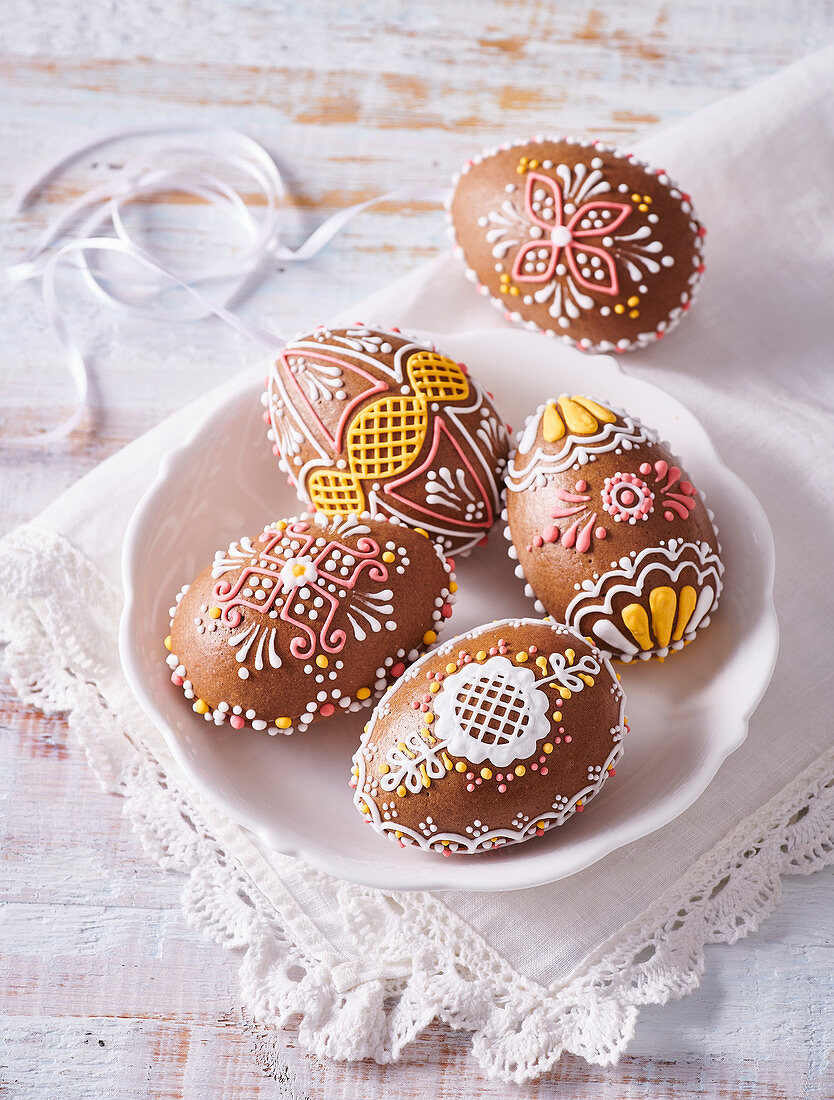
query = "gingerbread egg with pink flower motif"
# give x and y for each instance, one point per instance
(609, 533)
(578, 240)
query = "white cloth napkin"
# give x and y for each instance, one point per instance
(564, 966)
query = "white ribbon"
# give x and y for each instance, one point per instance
(142, 294)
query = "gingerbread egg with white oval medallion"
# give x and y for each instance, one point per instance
(609, 533)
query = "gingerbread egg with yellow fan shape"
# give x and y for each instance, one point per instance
(362, 419)
(609, 533)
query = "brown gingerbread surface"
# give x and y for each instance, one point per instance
(578, 240)
(364, 419)
(609, 532)
(310, 618)
(494, 737)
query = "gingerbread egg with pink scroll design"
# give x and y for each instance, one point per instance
(363, 419)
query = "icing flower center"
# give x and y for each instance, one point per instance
(298, 571)
(561, 235)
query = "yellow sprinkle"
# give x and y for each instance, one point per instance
(366, 726)
(366, 809)
(429, 637)
(321, 661)
(486, 773)
(168, 643)
(647, 198)
(540, 824)
(426, 780)
(354, 770)
(201, 706)
(557, 716)
(384, 769)
(505, 278)
(633, 300)
(504, 289)
(363, 693)
(533, 163)
(460, 766)
(397, 833)
(453, 586)
(389, 557)
(619, 308)
(636, 198)
(445, 843)
(450, 668)
(480, 655)
(520, 770)
(547, 747)
(634, 313)
(428, 717)
(570, 654)
(420, 531)
(401, 791)
(642, 207)
(521, 656)
(280, 526)
(434, 687)
(514, 290)
(283, 723)
(215, 612)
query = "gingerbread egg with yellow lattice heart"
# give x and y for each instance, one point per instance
(578, 240)
(363, 419)
(609, 532)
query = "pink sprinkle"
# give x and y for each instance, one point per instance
(470, 786)
(533, 649)
(265, 417)
(550, 533)
(236, 722)
(542, 759)
(581, 486)
(500, 777)
(398, 669)
(502, 787)
(424, 707)
(470, 775)
(568, 739)
(601, 533)
(451, 563)
(446, 610)
(276, 450)
(561, 729)
(645, 468)
(478, 781)
(176, 679)
(627, 497)
(669, 515)
(688, 488)
(492, 651)
(467, 659)
(415, 705)
(429, 675)
(510, 777)
(558, 740)
(534, 767)
(543, 771)
(537, 540)
(327, 710)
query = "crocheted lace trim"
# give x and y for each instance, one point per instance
(59, 622)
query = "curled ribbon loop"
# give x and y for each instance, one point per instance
(146, 293)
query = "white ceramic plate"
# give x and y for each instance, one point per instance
(686, 715)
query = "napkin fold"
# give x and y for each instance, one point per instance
(364, 968)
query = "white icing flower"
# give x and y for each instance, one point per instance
(298, 571)
(492, 711)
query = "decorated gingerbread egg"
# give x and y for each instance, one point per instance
(493, 738)
(362, 419)
(578, 240)
(610, 534)
(310, 618)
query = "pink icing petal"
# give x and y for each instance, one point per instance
(611, 287)
(583, 539)
(534, 181)
(621, 212)
(550, 533)
(569, 537)
(573, 498)
(517, 273)
(660, 468)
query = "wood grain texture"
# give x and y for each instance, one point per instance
(104, 989)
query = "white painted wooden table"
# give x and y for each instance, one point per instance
(104, 990)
